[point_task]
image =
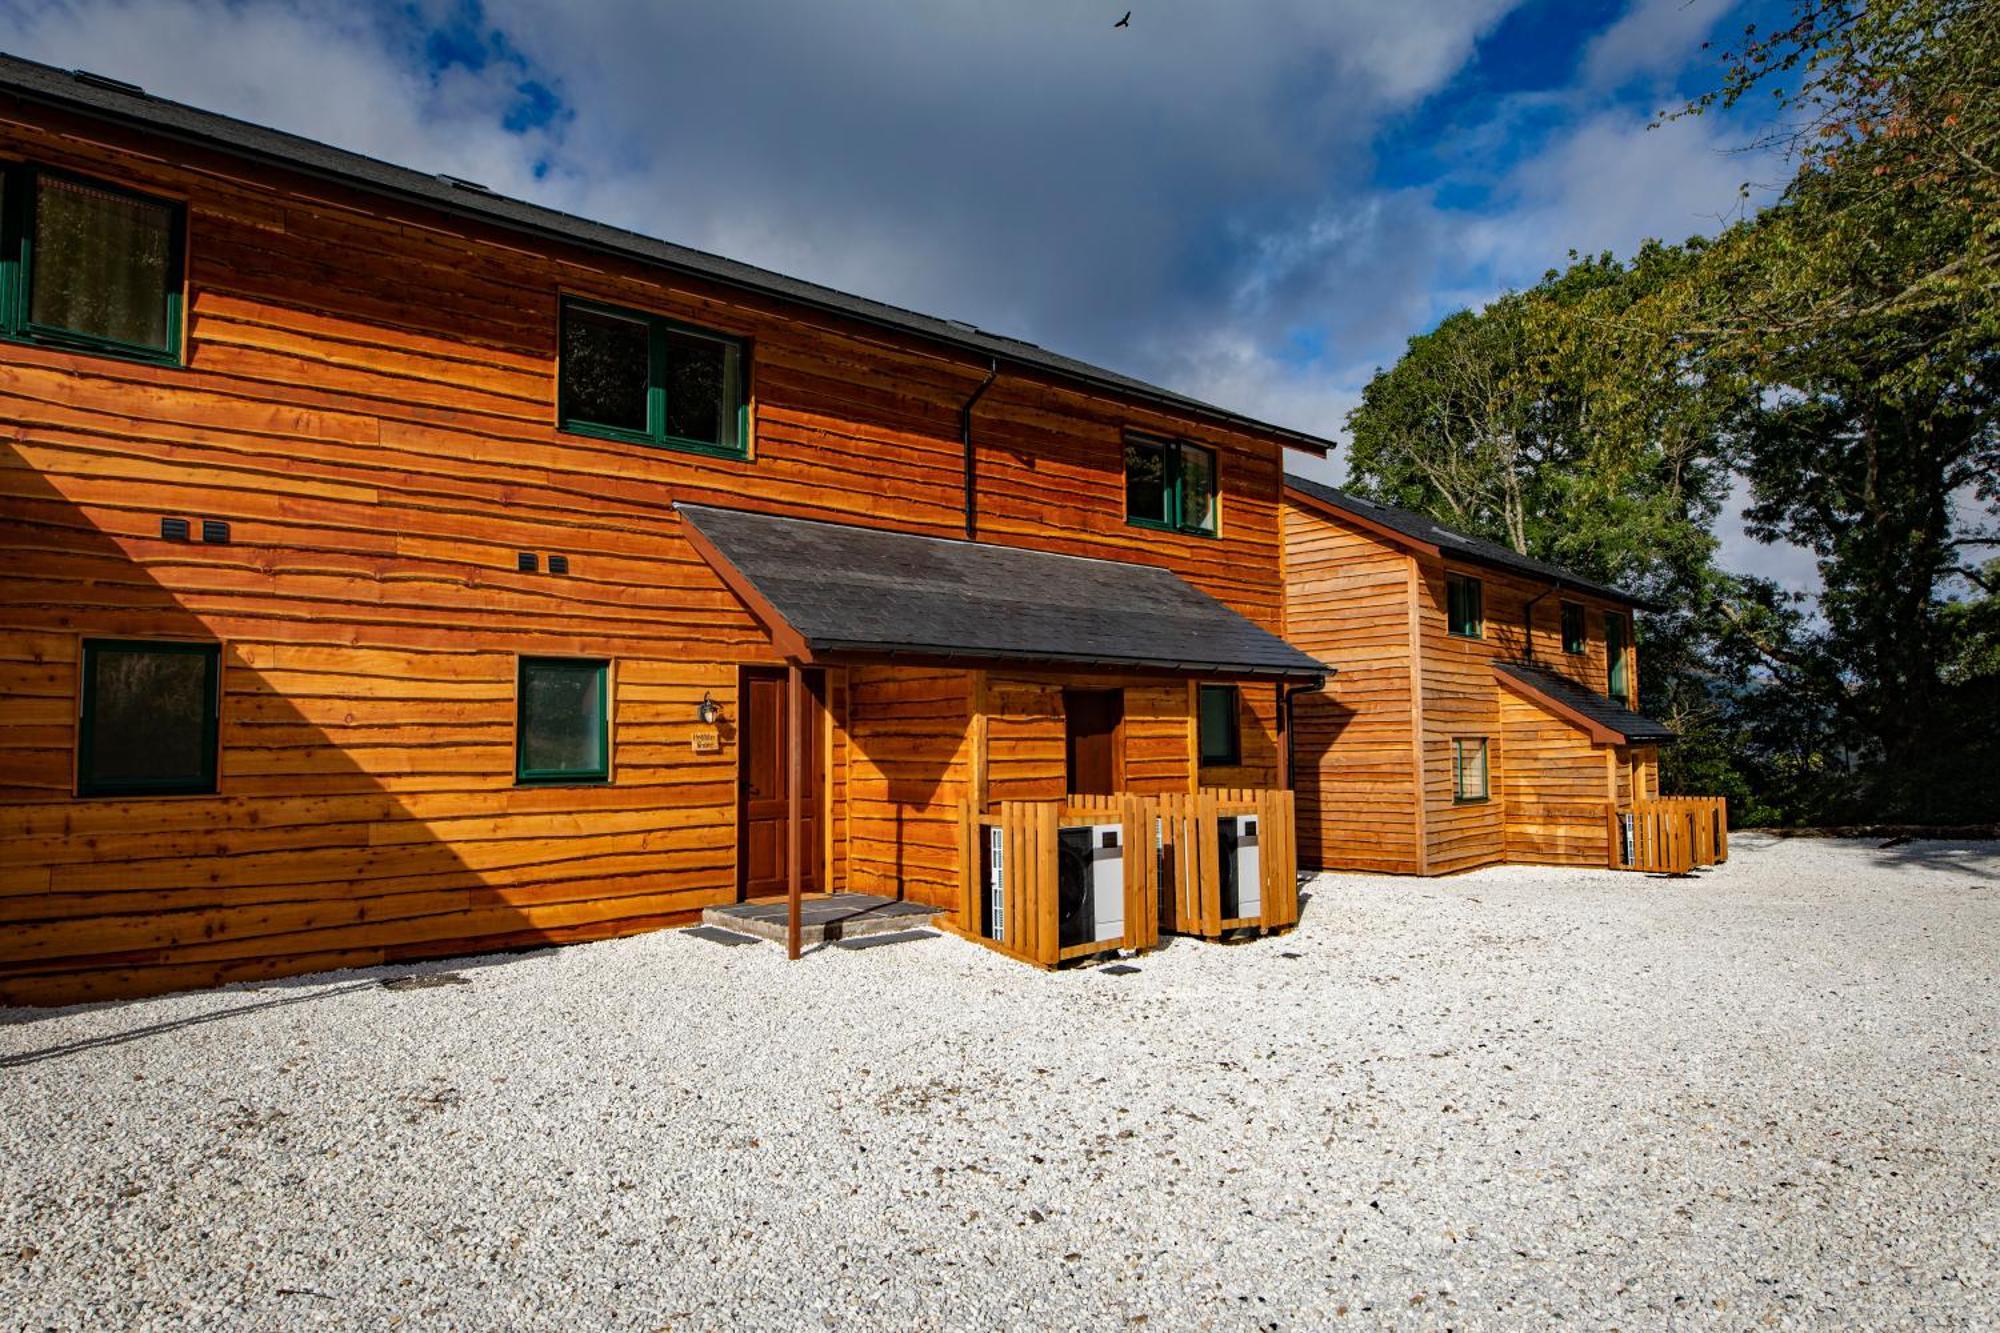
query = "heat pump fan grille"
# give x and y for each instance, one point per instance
(1075, 891)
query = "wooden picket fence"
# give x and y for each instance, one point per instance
(1172, 868)
(1669, 834)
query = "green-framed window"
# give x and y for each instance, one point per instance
(1220, 725)
(562, 730)
(89, 266)
(1465, 606)
(1468, 769)
(1170, 484)
(626, 375)
(149, 718)
(1617, 666)
(1576, 638)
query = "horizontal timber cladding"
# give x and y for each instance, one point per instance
(368, 401)
(1461, 698)
(1554, 788)
(1026, 728)
(909, 751)
(1348, 604)
(1372, 752)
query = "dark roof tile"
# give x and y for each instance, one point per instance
(1636, 728)
(1463, 545)
(867, 592)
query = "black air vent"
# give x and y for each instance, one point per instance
(106, 81)
(558, 564)
(174, 529)
(460, 183)
(215, 530)
(525, 562)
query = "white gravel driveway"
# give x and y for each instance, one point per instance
(1769, 1096)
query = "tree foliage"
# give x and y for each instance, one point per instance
(1840, 352)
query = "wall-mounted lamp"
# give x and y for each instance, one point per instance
(708, 710)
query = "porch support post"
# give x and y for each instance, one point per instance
(794, 806)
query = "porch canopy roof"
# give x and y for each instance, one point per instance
(1608, 721)
(828, 591)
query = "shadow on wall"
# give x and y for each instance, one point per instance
(321, 846)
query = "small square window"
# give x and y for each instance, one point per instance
(1468, 770)
(1465, 606)
(1575, 636)
(1170, 484)
(1220, 725)
(149, 718)
(93, 266)
(562, 733)
(631, 376)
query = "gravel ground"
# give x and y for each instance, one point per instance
(1766, 1097)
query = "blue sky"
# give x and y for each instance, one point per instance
(1254, 202)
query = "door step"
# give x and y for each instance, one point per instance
(822, 916)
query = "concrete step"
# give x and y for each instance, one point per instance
(822, 916)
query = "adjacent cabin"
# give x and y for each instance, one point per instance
(395, 570)
(1483, 707)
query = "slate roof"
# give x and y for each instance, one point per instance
(867, 592)
(1634, 728)
(125, 103)
(1462, 545)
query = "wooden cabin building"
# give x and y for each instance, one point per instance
(1484, 704)
(395, 570)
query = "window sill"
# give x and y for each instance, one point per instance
(1461, 634)
(671, 443)
(84, 345)
(1471, 800)
(562, 780)
(127, 793)
(1152, 526)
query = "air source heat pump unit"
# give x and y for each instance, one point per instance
(994, 900)
(1091, 884)
(1241, 867)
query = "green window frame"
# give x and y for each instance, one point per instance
(1465, 606)
(1576, 636)
(21, 188)
(89, 782)
(1617, 667)
(1187, 471)
(599, 772)
(1469, 756)
(1220, 725)
(662, 335)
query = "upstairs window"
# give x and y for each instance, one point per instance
(631, 376)
(148, 724)
(1575, 636)
(563, 731)
(1220, 726)
(1618, 670)
(89, 266)
(1465, 606)
(1468, 770)
(1170, 484)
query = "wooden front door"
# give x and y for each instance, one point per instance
(1094, 735)
(764, 796)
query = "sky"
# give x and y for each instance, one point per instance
(1255, 202)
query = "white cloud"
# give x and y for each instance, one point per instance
(1609, 184)
(1652, 37)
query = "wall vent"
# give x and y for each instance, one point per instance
(215, 530)
(525, 562)
(558, 564)
(174, 529)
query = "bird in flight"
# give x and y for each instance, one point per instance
(1125, 22)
